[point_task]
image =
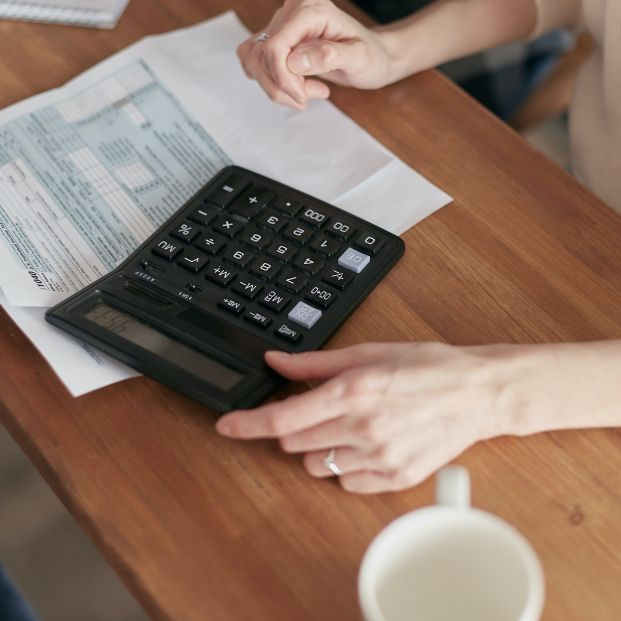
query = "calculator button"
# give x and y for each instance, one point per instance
(325, 246)
(298, 233)
(274, 300)
(212, 244)
(203, 215)
(250, 203)
(288, 333)
(320, 295)
(369, 242)
(338, 228)
(248, 287)
(232, 186)
(313, 217)
(304, 315)
(193, 261)
(231, 305)
(354, 260)
(272, 220)
(255, 237)
(281, 250)
(265, 268)
(238, 256)
(259, 319)
(287, 205)
(220, 274)
(337, 277)
(186, 232)
(308, 263)
(292, 282)
(226, 225)
(166, 249)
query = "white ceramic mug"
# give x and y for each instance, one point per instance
(451, 562)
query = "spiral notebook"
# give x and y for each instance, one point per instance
(90, 13)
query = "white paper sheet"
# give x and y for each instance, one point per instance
(105, 149)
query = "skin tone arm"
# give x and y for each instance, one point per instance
(313, 39)
(397, 412)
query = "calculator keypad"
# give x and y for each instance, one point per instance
(267, 262)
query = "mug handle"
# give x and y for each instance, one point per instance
(453, 487)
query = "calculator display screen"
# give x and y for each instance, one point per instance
(187, 358)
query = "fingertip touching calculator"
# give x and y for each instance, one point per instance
(246, 265)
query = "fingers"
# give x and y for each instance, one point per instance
(348, 459)
(283, 418)
(325, 364)
(324, 57)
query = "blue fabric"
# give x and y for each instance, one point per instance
(12, 605)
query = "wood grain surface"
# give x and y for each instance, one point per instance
(201, 528)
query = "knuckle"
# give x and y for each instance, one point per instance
(287, 444)
(370, 430)
(388, 457)
(359, 382)
(276, 424)
(327, 53)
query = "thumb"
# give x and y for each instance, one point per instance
(319, 57)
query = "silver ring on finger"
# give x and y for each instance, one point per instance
(330, 464)
(261, 37)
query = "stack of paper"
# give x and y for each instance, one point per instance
(98, 13)
(88, 171)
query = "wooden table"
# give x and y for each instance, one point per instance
(203, 528)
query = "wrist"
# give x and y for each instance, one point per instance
(556, 386)
(400, 48)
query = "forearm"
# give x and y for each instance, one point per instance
(449, 29)
(562, 386)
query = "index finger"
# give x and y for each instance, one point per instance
(282, 418)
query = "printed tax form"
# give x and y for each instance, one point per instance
(89, 170)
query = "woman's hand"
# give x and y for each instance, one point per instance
(394, 412)
(311, 39)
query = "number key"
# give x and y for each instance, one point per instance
(313, 217)
(325, 246)
(298, 233)
(272, 220)
(256, 238)
(265, 268)
(238, 256)
(281, 251)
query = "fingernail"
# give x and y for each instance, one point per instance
(299, 62)
(223, 428)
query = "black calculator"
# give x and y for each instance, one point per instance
(246, 265)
